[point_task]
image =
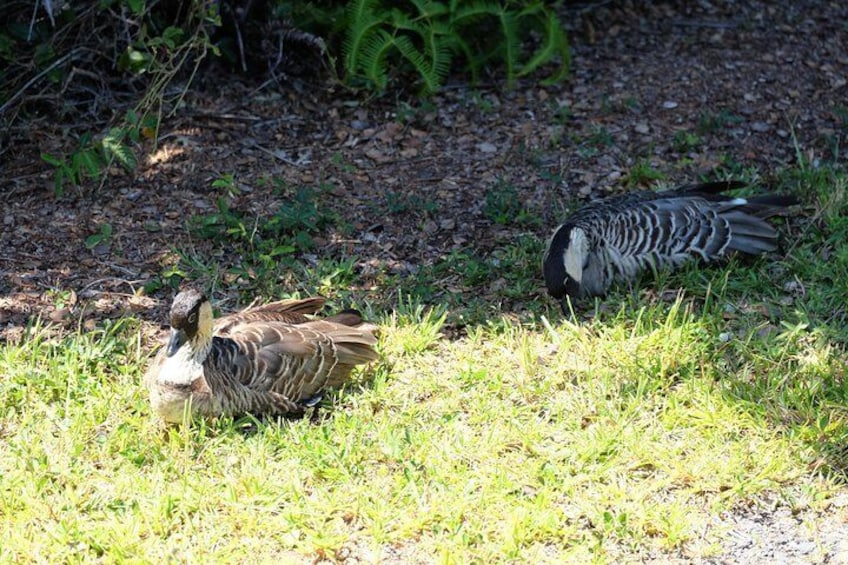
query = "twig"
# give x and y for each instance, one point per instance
(32, 21)
(13, 259)
(39, 76)
(223, 116)
(130, 283)
(587, 6)
(716, 25)
(285, 160)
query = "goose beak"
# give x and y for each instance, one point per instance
(177, 339)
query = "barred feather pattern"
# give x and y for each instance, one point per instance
(271, 359)
(627, 234)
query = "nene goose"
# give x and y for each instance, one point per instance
(265, 360)
(617, 237)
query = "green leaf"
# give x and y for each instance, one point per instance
(136, 6)
(134, 61)
(52, 160)
(173, 36)
(114, 147)
(96, 239)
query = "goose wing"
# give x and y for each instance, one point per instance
(296, 361)
(668, 231)
(614, 204)
(292, 311)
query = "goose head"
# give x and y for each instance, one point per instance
(191, 321)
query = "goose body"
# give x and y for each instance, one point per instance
(271, 359)
(618, 237)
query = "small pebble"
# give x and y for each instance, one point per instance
(669, 105)
(486, 147)
(59, 314)
(642, 128)
(806, 547)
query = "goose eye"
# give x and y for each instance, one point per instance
(192, 319)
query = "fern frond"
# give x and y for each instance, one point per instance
(511, 48)
(363, 20)
(474, 62)
(471, 12)
(439, 47)
(554, 43)
(425, 43)
(373, 53)
(419, 63)
(402, 21)
(468, 15)
(428, 10)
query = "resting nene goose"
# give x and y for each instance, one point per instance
(269, 359)
(617, 237)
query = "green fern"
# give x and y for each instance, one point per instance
(554, 44)
(370, 61)
(511, 48)
(425, 69)
(433, 60)
(427, 38)
(470, 14)
(363, 23)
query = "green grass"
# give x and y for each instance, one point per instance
(642, 173)
(713, 122)
(534, 438)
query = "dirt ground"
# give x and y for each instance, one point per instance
(679, 87)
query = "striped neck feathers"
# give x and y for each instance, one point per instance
(200, 343)
(574, 256)
(186, 364)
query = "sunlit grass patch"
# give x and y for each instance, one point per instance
(551, 441)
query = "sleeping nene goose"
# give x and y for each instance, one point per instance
(270, 359)
(616, 238)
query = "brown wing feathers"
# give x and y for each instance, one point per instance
(306, 351)
(290, 311)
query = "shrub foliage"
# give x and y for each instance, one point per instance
(106, 70)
